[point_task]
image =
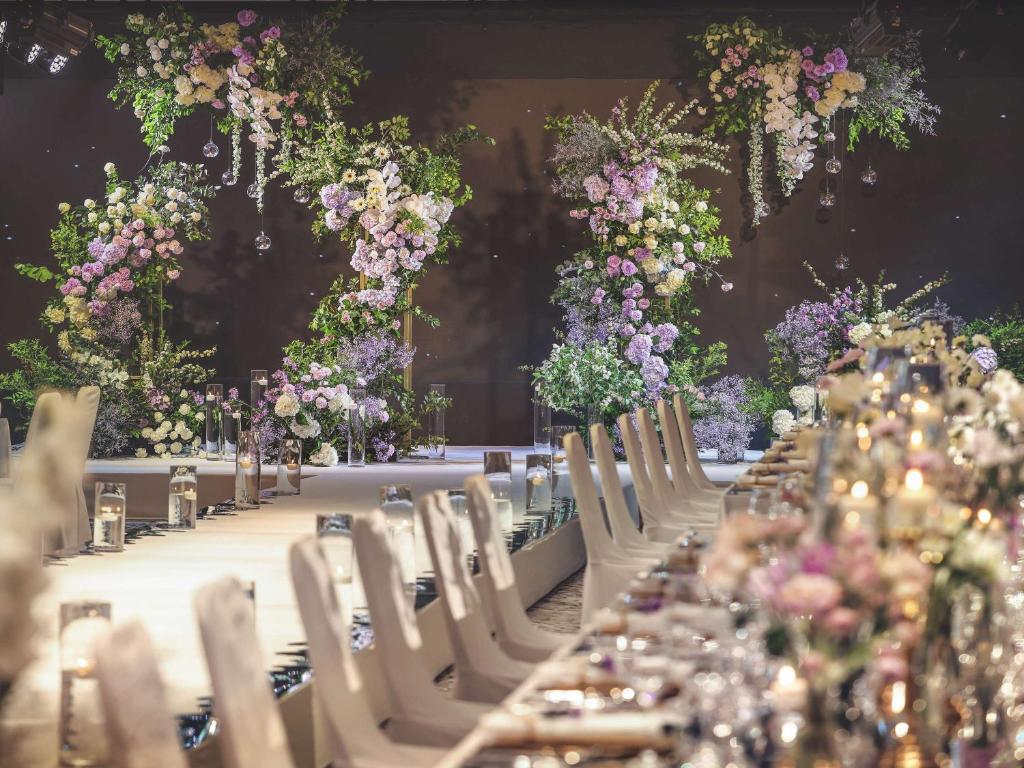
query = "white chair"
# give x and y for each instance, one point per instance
(682, 512)
(55, 430)
(252, 734)
(419, 713)
(690, 444)
(5, 449)
(519, 637)
(141, 731)
(353, 735)
(659, 520)
(609, 570)
(686, 488)
(483, 671)
(624, 531)
(88, 402)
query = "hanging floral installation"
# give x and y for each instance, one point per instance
(628, 298)
(114, 256)
(788, 98)
(263, 82)
(391, 203)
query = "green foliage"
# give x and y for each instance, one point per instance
(1005, 330)
(763, 399)
(574, 379)
(37, 372)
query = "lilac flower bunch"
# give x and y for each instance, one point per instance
(372, 356)
(725, 425)
(814, 333)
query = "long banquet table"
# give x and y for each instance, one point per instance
(155, 579)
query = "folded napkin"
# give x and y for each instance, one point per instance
(642, 729)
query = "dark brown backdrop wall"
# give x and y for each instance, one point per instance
(950, 204)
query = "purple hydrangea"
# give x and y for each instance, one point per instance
(987, 359)
(725, 426)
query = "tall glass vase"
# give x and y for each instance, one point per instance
(109, 517)
(232, 421)
(214, 422)
(435, 426)
(183, 497)
(541, 424)
(357, 429)
(258, 381)
(289, 467)
(595, 415)
(83, 739)
(247, 471)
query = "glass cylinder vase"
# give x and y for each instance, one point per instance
(183, 497)
(498, 471)
(258, 381)
(541, 424)
(334, 532)
(82, 735)
(538, 482)
(232, 421)
(595, 415)
(289, 467)
(357, 429)
(110, 507)
(247, 471)
(435, 425)
(214, 422)
(397, 506)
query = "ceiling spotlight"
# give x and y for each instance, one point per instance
(57, 64)
(3, 29)
(43, 34)
(33, 53)
(877, 29)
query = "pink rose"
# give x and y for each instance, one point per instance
(810, 594)
(841, 621)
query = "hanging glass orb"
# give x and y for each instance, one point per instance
(830, 135)
(301, 195)
(827, 199)
(262, 241)
(228, 179)
(842, 262)
(832, 165)
(210, 149)
(252, 190)
(870, 176)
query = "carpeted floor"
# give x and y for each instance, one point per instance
(558, 611)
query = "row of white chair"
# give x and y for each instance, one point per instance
(488, 664)
(670, 506)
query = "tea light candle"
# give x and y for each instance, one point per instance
(244, 463)
(860, 508)
(910, 505)
(788, 691)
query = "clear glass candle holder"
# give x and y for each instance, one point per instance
(247, 471)
(81, 729)
(357, 429)
(334, 532)
(538, 482)
(460, 506)
(435, 426)
(232, 422)
(289, 467)
(183, 497)
(258, 381)
(214, 422)
(498, 471)
(110, 508)
(541, 424)
(397, 506)
(561, 487)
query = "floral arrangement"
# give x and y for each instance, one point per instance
(114, 256)
(253, 75)
(1004, 329)
(784, 95)
(654, 237)
(814, 333)
(594, 376)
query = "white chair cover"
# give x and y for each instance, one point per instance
(658, 519)
(353, 735)
(419, 713)
(519, 637)
(680, 514)
(631, 542)
(690, 444)
(252, 733)
(608, 571)
(54, 434)
(141, 731)
(88, 402)
(483, 671)
(686, 488)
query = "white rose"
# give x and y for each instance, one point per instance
(306, 431)
(164, 43)
(802, 396)
(147, 432)
(160, 449)
(125, 49)
(166, 426)
(141, 71)
(89, 203)
(158, 416)
(200, 415)
(104, 227)
(184, 409)
(176, 447)
(701, 206)
(187, 434)
(109, 168)
(286, 405)
(141, 453)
